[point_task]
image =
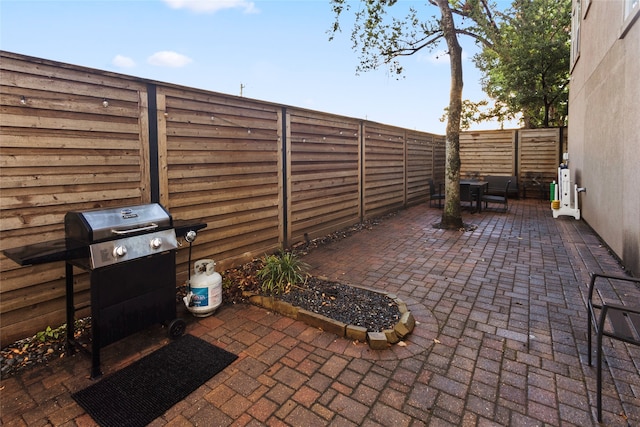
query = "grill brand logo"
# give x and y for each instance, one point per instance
(128, 213)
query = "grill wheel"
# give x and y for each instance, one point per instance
(177, 328)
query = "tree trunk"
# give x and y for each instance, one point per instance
(451, 216)
(547, 108)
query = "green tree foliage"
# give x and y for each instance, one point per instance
(381, 40)
(526, 65)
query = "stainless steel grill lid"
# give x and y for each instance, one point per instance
(106, 224)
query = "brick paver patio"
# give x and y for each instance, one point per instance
(500, 339)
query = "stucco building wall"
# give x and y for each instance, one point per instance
(604, 124)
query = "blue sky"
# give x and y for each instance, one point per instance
(278, 50)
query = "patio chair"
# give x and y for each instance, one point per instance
(502, 199)
(467, 195)
(610, 318)
(435, 195)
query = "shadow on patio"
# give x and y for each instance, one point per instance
(501, 338)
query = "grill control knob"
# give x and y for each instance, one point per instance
(156, 242)
(119, 251)
(190, 236)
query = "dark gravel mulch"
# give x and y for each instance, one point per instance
(347, 304)
(39, 349)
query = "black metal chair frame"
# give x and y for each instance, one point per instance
(433, 195)
(469, 195)
(489, 198)
(616, 321)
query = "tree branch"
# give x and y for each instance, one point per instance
(478, 37)
(416, 46)
(487, 11)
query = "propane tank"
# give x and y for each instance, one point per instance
(205, 289)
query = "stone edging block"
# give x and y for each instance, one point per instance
(376, 340)
(322, 322)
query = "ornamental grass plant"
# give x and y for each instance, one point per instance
(280, 271)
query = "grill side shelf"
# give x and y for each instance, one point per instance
(67, 249)
(46, 252)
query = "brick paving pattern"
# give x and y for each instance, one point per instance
(500, 339)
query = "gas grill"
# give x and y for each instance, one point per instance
(130, 254)
(118, 235)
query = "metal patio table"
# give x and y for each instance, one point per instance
(478, 189)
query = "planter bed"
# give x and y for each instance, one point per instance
(383, 320)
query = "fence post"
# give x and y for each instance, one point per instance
(144, 118)
(152, 152)
(284, 168)
(361, 169)
(516, 155)
(405, 169)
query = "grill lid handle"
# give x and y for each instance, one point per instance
(152, 226)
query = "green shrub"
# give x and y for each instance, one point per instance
(280, 271)
(50, 334)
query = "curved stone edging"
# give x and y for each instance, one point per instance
(376, 340)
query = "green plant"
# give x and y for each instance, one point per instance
(51, 334)
(280, 271)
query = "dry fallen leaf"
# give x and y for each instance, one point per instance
(437, 341)
(402, 344)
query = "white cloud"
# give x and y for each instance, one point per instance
(212, 6)
(167, 58)
(123, 62)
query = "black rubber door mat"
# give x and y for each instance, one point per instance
(146, 389)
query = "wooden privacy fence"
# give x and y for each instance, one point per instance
(261, 175)
(525, 153)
